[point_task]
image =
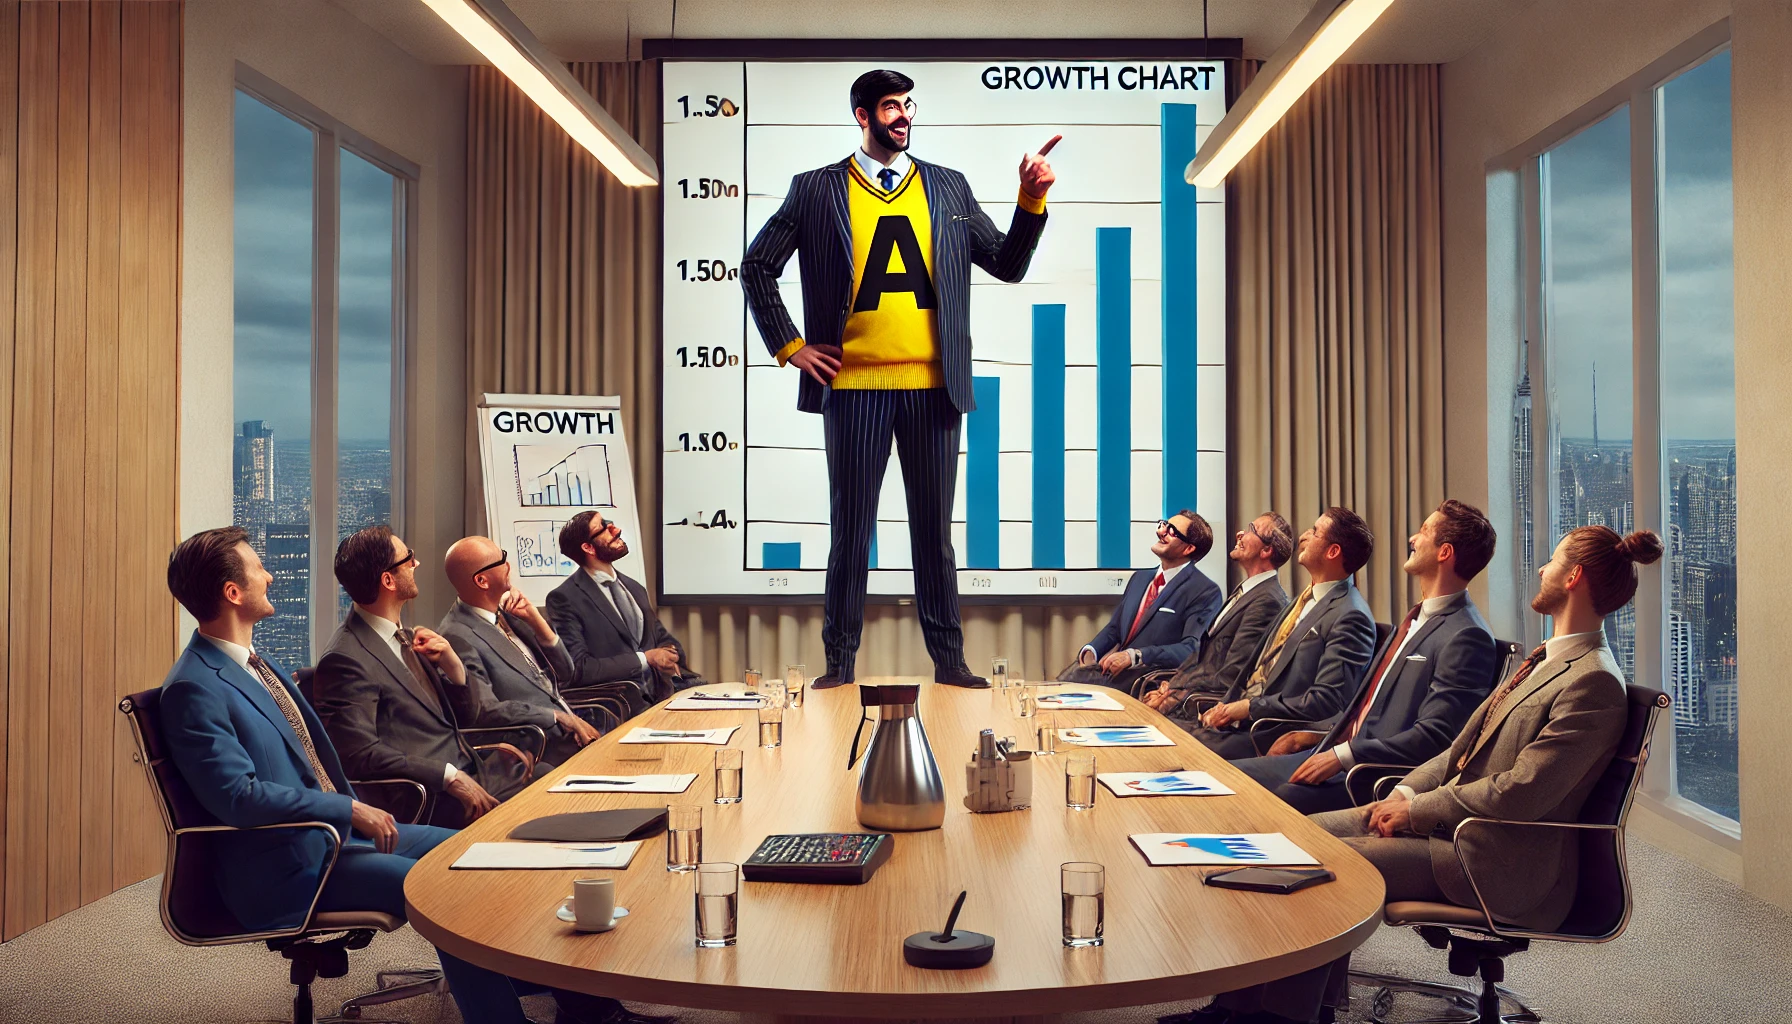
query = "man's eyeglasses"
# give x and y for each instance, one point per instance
(1251, 530)
(1165, 526)
(503, 557)
(409, 557)
(604, 529)
(908, 107)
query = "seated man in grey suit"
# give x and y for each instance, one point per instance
(608, 625)
(1316, 656)
(1532, 751)
(395, 699)
(1229, 646)
(515, 663)
(1161, 614)
(1436, 668)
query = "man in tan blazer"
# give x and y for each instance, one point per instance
(1531, 752)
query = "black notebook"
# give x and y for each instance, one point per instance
(594, 826)
(1277, 880)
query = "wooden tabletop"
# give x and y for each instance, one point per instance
(832, 950)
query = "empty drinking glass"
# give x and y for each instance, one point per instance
(795, 677)
(1079, 780)
(998, 673)
(728, 776)
(1045, 732)
(1084, 889)
(718, 904)
(771, 727)
(684, 836)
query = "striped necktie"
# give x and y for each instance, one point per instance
(290, 710)
(1499, 698)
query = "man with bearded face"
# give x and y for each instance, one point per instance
(885, 245)
(609, 627)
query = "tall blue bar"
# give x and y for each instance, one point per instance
(1180, 245)
(1113, 396)
(1048, 436)
(982, 485)
(783, 556)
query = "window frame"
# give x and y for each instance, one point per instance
(329, 138)
(1642, 93)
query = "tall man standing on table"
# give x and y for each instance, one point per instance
(1533, 751)
(1436, 669)
(1317, 654)
(1162, 612)
(254, 755)
(885, 244)
(1229, 646)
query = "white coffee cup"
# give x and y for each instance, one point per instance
(594, 904)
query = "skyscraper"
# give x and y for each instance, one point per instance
(1521, 478)
(254, 471)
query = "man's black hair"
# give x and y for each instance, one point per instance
(872, 86)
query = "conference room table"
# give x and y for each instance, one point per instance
(834, 952)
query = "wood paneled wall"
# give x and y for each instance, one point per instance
(89, 292)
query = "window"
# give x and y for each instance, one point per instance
(320, 251)
(1627, 398)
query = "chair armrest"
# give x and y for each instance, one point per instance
(1150, 681)
(323, 877)
(1262, 735)
(1382, 774)
(613, 719)
(509, 750)
(1203, 702)
(534, 739)
(1474, 823)
(398, 793)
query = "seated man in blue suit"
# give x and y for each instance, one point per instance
(1162, 612)
(1434, 671)
(253, 753)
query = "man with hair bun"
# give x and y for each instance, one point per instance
(1532, 751)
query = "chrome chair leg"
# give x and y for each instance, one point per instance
(1507, 1007)
(392, 986)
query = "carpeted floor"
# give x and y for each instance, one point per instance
(1699, 951)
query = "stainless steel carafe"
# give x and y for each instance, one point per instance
(899, 784)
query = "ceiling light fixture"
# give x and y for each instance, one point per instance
(505, 41)
(1316, 44)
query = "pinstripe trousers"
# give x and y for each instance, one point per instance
(859, 426)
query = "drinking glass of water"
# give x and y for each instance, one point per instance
(1079, 780)
(718, 904)
(998, 673)
(771, 727)
(684, 836)
(795, 677)
(1027, 700)
(1085, 902)
(1045, 733)
(728, 772)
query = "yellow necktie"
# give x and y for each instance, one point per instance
(1260, 677)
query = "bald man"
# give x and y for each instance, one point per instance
(515, 662)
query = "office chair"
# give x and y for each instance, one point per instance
(1479, 944)
(407, 800)
(194, 914)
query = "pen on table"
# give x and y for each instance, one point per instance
(599, 782)
(725, 696)
(674, 735)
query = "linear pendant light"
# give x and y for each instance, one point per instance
(505, 41)
(1318, 41)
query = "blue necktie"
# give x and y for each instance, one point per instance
(888, 177)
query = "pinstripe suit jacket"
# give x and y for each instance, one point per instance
(814, 223)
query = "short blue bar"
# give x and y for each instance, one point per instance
(1048, 436)
(783, 556)
(982, 485)
(1113, 396)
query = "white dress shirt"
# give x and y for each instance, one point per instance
(1168, 575)
(868, 164)
(1429, 607)
(388, 631)
(492, 618)
(236, 652)
(601, 578)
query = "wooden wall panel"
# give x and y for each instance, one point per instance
(89, 285)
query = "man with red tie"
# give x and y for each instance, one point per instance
(1430, 676)
(1162, 612)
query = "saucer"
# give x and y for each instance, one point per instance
(565, 913)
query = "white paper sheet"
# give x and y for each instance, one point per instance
(716, 698)
(1078, 699)
(1260, 848)
(642, 734)
(624, 783)
(526, 856)
(1162, 784)
(1115, 736)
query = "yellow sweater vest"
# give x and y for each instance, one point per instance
(891, 342)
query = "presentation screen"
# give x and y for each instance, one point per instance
(1100, 380)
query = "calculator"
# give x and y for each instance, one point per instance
(820, 858)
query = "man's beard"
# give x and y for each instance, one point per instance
(881, 133)
(615, 551)
(1549, 600)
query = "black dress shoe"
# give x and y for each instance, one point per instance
(835, 677)
(1209, 1014)
(960, 676)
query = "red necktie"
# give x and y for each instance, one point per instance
(1499, 698)
(1381, 672)
(1138, 620)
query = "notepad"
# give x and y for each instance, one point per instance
(536, 856)
(1173, 848)
(1116, 736)
(642, 734)
(624, 783)
(1178, 783)
(716, 698)
(1075, 699)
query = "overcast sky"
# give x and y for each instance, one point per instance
(274, 190)
(1589, 286)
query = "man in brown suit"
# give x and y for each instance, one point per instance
(1532, 752)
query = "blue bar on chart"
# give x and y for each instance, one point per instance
(873, 563)
(1048, 436)
(783, 556)
(1180, 245)
(1113, 397)
(982, 483)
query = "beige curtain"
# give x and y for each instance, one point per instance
(1337, 366)
(562, 299)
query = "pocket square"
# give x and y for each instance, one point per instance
(1166, 611)
(1415, 657)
